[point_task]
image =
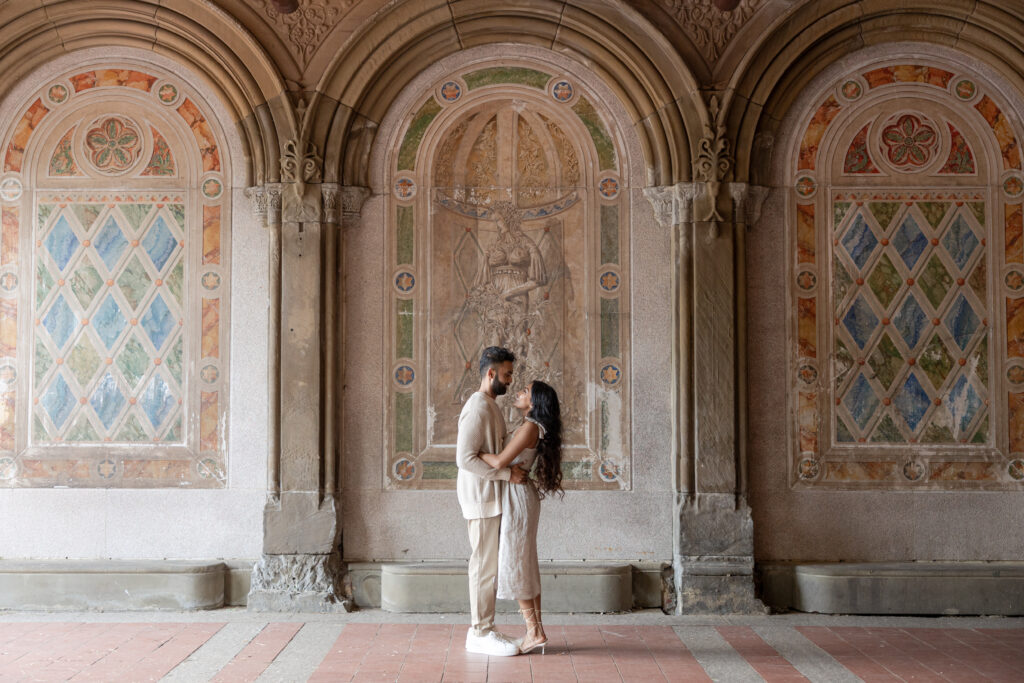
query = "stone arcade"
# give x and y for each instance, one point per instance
(772, 258)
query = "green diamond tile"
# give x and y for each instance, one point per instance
(886, 361)
(43, 362)
(935, 280)
(135, 214)
(85, 282)
(978, 209)
(178, 211)
(83, 361)
(43, 214)
(839, 211)
(885, 281)
(132, 431)
(936, 361)
(82, 430)
(934, 212)
(843, 362)
(86, 214)
(981, 436)
(175, 279)
(841, 281)
(44, 282)
(134, 281)
(843, 433)
(936, 433)
(38, 430)
(979, 360)
(133, 361)
(887, 432)
(883, 212)
(174, 433)
(173, 360)
(978, 278)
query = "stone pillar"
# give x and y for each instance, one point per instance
(713, 531)
(300, 569)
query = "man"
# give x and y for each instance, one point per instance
(482, 430)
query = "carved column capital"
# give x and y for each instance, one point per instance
(673, 204)
(352, 199)
(747, 202)
(331, 193)
(266, 203)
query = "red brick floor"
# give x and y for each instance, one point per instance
(405, 652)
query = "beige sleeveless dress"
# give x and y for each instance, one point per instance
(518, 569)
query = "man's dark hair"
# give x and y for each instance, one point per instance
(494, 356)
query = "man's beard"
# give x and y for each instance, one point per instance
(498, 387)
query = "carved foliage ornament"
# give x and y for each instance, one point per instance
(305, 28)
(711, 28)
(713, 160)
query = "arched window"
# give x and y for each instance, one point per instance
(906, 280)
(114, 226)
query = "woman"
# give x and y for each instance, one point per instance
(538, 440)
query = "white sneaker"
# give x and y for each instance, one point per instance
(491, 643)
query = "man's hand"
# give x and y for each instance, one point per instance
(517, 475)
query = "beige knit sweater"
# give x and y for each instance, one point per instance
(481, 430)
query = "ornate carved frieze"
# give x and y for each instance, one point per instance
(710, 28)
(305, 29)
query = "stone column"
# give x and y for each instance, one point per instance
(713, 532)
(300, 569)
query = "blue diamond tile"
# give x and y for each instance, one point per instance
(861, 401)
(909, 242)
(911, 402)
(159, 243)
(108, 321)
(61, 242)
(60, 321)
(157, 401)
(910, 321)
(110, 243)
(964, 403)
(58, 401)
(107, 400)
(962, 322)
(859, 241)
(960, 241)
(158, 322)
(860, 321)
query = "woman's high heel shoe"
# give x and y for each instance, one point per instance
(532, 620)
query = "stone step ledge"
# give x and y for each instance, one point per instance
(896, 588)
(431, 587)
(111, 585)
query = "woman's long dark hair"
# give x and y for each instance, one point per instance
(547, 412)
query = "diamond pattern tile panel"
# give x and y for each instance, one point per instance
(914, 322)
(109, 348)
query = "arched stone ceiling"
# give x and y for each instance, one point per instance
(200, 36)
(800, 43)
(647, 74)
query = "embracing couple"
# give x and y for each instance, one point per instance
(501, 500)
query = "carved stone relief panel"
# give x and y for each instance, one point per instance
(509, 227)
(906, 281)
(114, 286)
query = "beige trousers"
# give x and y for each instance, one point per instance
(483, 572)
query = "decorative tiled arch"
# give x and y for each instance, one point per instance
(124, 326)
(603, 461)
(903, 297)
